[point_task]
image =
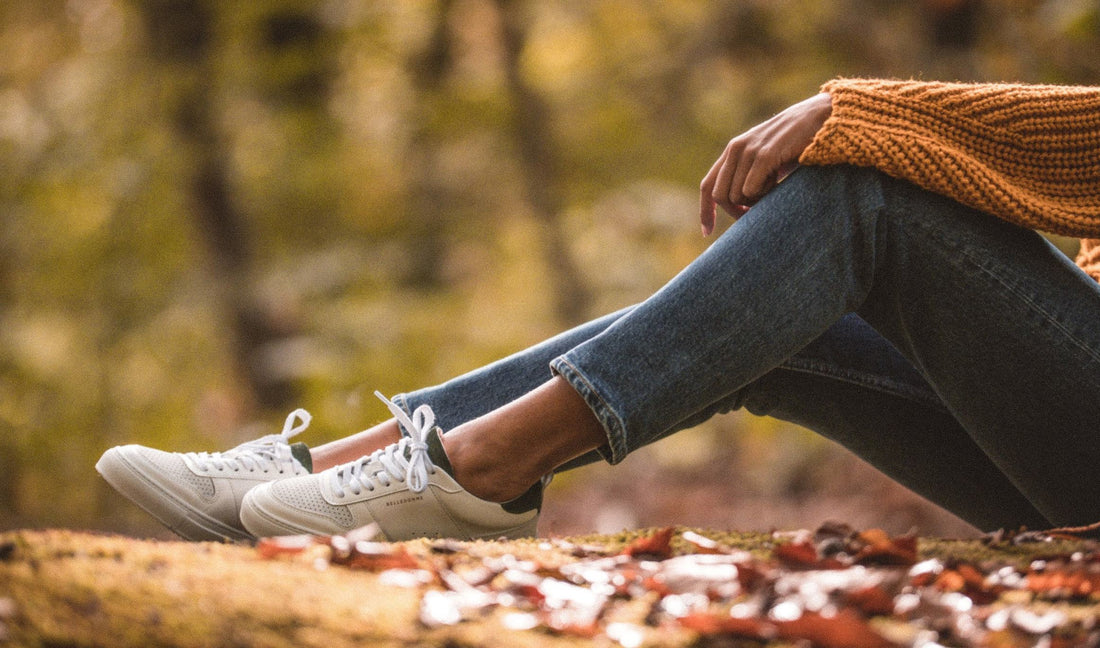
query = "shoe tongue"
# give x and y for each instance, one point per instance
(300, 452)
(437, 453)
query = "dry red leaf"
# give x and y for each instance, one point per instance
(750, 575)
(561, 624)
(845, 629)
(1071, 581)
(286, 545)
(529, 593)
(873, 536)
(798, 555)
(871, 600)
(373, 556)
(710, 624)
(657, 546)
(875, 547)
(655, 585)
(950, 581)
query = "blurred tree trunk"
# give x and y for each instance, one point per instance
(182, 43)
(952, 28)
(540, 168)
(10, 456)
(952, 24)
(430, 202)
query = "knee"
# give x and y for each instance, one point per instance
(836, 191)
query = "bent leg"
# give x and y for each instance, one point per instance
(849, 385)
(760, 294)
(965, 297)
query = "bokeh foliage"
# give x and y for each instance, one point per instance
(212, 212)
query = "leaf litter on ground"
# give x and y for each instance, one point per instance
(832, 587)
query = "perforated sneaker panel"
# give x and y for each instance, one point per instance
(175, 469)
(305, 495)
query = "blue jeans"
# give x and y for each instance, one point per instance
(956, 352)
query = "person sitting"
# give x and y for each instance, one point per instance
(884, 285)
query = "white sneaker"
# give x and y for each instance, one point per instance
(405, 488)
(198, 494)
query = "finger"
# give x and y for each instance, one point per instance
(761, 177)
(737, 195)
(707, 206)
(728, 168)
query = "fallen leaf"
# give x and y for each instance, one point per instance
(657, 546)
(871, 600)
(286, 545)
(1072, 580)
(710, 624)
(877, 548)
(845, 629)
(797, 555)
(376, 556)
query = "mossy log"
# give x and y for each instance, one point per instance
(66, 588)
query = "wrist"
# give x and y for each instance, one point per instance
(822, 105)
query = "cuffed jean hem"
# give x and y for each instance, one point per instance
(613, 425)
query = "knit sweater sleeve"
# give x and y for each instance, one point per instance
(1026, 153)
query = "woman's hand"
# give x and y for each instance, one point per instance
(755, 161)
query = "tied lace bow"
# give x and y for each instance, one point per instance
(252, 455)
(414, 470)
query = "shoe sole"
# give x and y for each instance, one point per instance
(255, 517)
(525, 530)
(183, 519)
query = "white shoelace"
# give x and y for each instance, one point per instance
(265, 453)
(389, 464)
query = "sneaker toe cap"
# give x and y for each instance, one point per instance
(293, 506)
(139, 467)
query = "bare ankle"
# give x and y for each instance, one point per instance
(355, 446)
(500, 455)
(486, 473)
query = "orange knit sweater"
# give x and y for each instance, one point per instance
(1028, 154)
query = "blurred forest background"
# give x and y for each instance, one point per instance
(214, 212)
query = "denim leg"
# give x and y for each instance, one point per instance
(1001, 326)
